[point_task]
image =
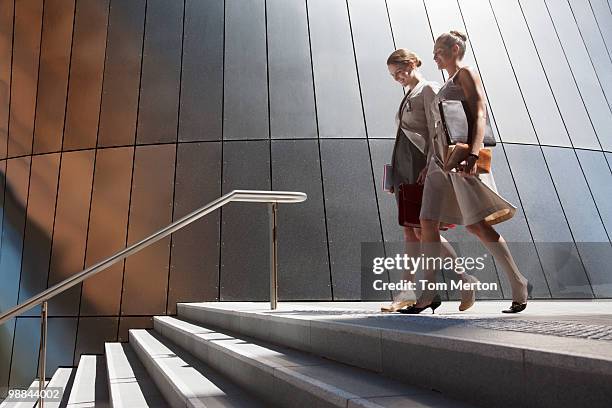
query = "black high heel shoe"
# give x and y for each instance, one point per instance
(517, 307)
(435, 303)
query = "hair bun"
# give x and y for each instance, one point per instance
(459, 34)
(419, 63)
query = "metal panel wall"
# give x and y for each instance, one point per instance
(302, 235)
(292, 105)
(161, 70)
(526, 66)
(86, 71)
(53, 75)
(146, 273)
(373, 43)
(119, 103)
(107, 233)
(24, 75)
(339, 107)
(245, 114)
(7, 8)
(194, 267)
(201, 102)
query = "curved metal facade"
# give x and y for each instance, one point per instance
(118, 116)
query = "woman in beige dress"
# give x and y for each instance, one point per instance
(415, 127)
(461, 196)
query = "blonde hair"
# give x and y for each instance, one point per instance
(451, 38)
(402, 56)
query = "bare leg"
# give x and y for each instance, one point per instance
(406, 297)
(497, 246)
(431, 248)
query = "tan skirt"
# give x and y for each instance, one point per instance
(452, 198)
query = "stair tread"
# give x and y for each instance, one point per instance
(194, 382)
(338, 382)
(89, 388)
(16, 403)
(129, 384)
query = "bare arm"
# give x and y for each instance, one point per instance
(475, 106)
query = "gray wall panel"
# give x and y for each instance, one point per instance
(161, 71)
(302, 238)
(559, 74)
(582, 67)
(599, 179)
(201, 102)
(245, 114)
(411, 30)
(338, 99)
(603, 15)
(516, 231)
(127, 323)
(194, 267)
(245, 263)
(513, 124)
(107, 234)
(26, 52)
(53, 75)
(292, 110)
(591, 35)
(534, 85)
(7, 8)
(86, 73)
(92, 333)
(583, 217)
(373, 44)
(352, 216)
(145, 279)
(60, 348)
(122, 73)
(381, 151)
(70, 230)
(39, 227)
(560, 260)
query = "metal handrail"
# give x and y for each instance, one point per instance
(235, 195)
(273, 198)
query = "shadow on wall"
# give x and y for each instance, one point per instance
(24, 265)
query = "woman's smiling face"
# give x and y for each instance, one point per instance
(401, 73)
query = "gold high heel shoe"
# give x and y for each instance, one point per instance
(402, 300)
(468, 297)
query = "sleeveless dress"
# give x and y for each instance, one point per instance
(452, 198)
(414, 131)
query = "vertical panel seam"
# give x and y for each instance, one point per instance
(314, 92)
(373, 183)
(93, 178)
(127, 229)
(220, 219)
(178, 121)
(599, 29)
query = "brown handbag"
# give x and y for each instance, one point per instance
(459, 152)
(409, 203)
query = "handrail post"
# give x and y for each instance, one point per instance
(42, 363)
(273, 257)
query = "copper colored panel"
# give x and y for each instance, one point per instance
(194, 271)
(92, 333)
(53, 75)
(161, 71)
(122, 73)
(39, 227)
(70, 234)
(26, 48)
(127, 323)
(6, 58)
(146, 272)
(86, 72)
(107, 229)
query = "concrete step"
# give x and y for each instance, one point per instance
(55, 387)
(17, 402)
(90, 387)
(290, 378)
(182, 379)
(129, 385)
(481, 366)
